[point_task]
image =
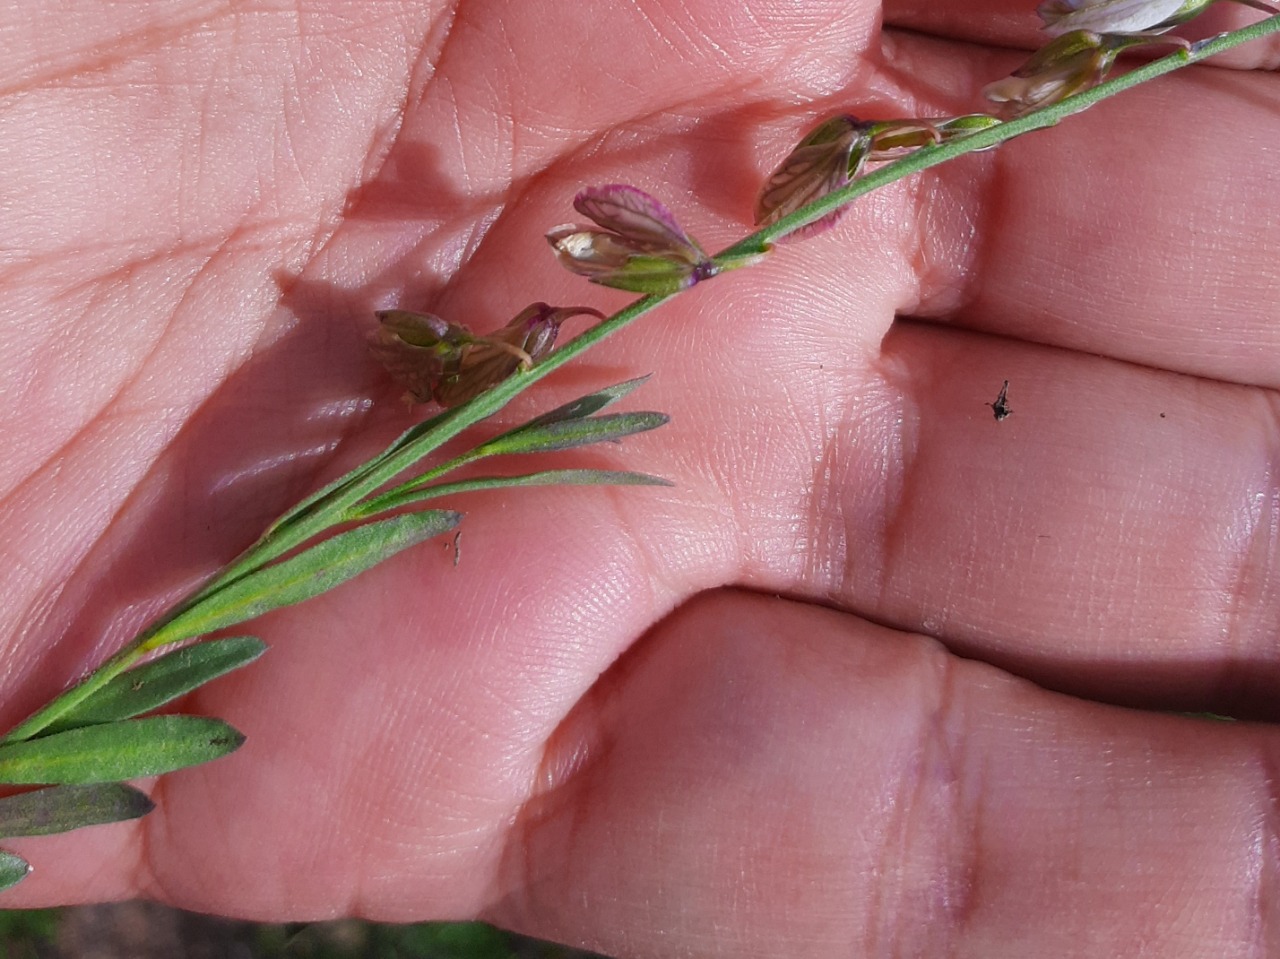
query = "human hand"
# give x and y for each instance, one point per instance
(604, 726)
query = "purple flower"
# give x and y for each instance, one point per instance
(639, 247)
(446, 362)
(1126, 16)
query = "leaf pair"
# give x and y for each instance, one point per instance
(88, 753)
(566, 427)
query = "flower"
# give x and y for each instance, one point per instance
(827, 159)
(1126, 16)
(446, 362)
(639, 247)
(1070, 64)
(832, 155)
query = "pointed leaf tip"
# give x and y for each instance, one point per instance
(13, 869)
(316, 570)
(113, 752)
(162, 680)
(57, 809)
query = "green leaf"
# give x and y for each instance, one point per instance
(151, 685)
(117, 751)
(330, 490)
(576, 477)
(314, 571)
(552, 478)
(568, 434)
(63, 808)
(13, 869)
(584, 406)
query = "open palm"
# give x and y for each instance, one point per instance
(839, 691)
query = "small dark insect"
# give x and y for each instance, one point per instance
(1001, 406)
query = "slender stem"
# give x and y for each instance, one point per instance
(931, 156)
(322, 511)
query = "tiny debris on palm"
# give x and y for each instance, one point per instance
(1001, 406)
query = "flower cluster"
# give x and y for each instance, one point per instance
(635, 243)
(1088, 35)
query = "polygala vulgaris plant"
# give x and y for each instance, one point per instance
(80, 749)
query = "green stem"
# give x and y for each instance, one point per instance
(931, 156)
(335, 505)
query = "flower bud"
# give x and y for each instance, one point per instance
(1117, 16)
(1072, 63)
(445, 362)
(639, 247)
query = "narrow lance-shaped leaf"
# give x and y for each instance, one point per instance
(151, 685)
(571, 477)
(567, 434)
(117, 751)
(584, 406)
(13, 869)
(316, 570)
(56, 809)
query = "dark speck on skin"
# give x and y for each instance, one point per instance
(1001, 406)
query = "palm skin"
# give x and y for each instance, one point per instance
(606, 725)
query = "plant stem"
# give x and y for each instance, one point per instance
(931, 156)
(337, 504)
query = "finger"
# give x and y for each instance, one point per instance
(1115, 536)
(762, 778)
(1118, 232)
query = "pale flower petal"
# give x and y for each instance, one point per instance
(639, 247)
(1116, 16)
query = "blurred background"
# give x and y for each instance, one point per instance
(141, 930)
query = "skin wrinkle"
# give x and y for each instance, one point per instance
(229, 245)
(560, 785)
(1254, 564)
(1265, 905)
(932, 775)
(902, 493)
(118, 51)
(827, 552)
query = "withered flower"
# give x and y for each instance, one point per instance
(833, 154)
(639, 246)
(437, 360)
(827, 159)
